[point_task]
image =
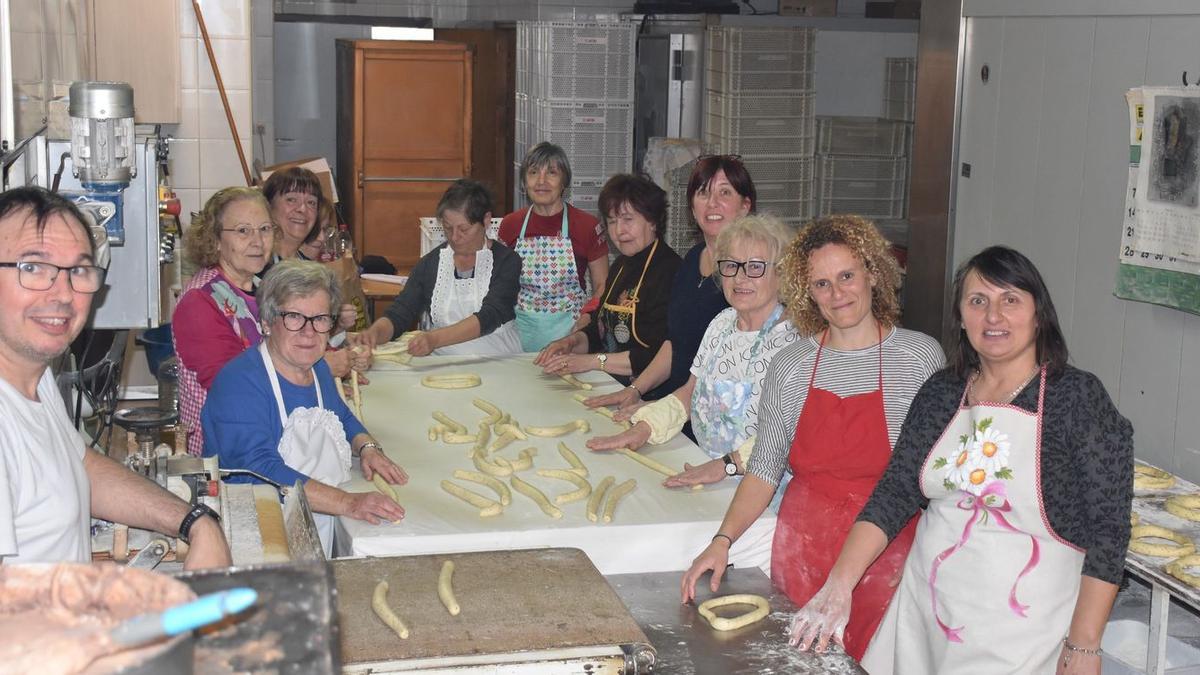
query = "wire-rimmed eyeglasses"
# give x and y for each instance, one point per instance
(294, 321)
(40, 276)
(244, 232)
(752, 268)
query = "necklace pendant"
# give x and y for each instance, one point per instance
(621, 331)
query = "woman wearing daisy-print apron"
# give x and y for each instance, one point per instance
(1022, 464)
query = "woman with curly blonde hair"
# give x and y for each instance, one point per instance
(229, 242)
(831, 411)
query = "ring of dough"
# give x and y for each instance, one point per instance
(761, 609)
(1184, 506)
(1177, 567)
(1183, 545)
(1149, 478)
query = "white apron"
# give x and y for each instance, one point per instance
(313, 443)
(987, 587)
(456, 299)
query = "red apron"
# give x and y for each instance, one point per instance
(840, 450)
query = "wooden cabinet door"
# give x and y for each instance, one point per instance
(409, 138)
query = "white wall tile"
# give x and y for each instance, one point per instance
(213, 125)
(226, 18)
(219, 166)
(187, 19)
(189, 115)
(233, 57)
(185, 164)
(189, 203)
(188, 69)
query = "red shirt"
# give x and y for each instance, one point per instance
(587, 237)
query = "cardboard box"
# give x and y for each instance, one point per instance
(808, 7)
(317, 165)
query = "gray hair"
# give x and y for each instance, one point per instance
(544, 154)
(754, 229)
(289, 279)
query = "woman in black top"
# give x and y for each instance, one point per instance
(1020, 466)
(719, 192)
(624, 333)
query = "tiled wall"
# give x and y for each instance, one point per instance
(203, 158)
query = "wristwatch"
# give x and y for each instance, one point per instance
(198, 511)
(730, 465)
(603, 359)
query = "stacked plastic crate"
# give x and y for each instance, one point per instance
(759, 104)
(575, 89)
(862, 166)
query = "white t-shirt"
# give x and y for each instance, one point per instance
(45, 499)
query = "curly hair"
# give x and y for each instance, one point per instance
(868, 245)
(201, 239)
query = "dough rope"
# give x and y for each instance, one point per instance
(483, 479)
(481, 441)
(510, 427)
(491, 468)
(1177, 568)
(652, 464)
(487, 507)
(615, 496)
(384, 487)
(356, 396)
(560, 430)
(502, 441)
(449, 422)
(1182, 543)
(593, 504)
(537, 496)
(493, 412)
(385, 613)
(1184, 506)
(575, 382)
(446, 589)
(761, 609)
(1146, 477)
(577, 466)
(524, 461)
(452, 381)
(583, 488)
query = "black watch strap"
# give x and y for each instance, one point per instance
(730, 464)
(198, 511)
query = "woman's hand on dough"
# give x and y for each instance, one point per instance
(622, 398)
(714, 557)
(559, 346)
(339, 362)
(373, 507)
(712, 471)
(421, 345)
(361, 359)
(623, 413)
(375, 461)
(632, 439)
(824, 617)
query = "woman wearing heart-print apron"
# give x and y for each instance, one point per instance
(1022, 464)
(558, 245)
(831, 409)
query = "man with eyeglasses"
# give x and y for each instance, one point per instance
(50, 483)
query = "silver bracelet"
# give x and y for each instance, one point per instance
(634, 387)
(368, 444)
(1073, 649)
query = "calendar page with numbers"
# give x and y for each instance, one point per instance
(1160, 231)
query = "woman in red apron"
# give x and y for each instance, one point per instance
(832, 407)
(1022, 465)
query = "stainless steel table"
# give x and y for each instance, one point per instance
(687, 645)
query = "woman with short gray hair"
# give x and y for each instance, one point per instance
(276, 410)
(558, 244)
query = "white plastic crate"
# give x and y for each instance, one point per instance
(765, 138)
(583, 61)
(773, 169)
(873, 187)
(682, 232)
(759, 59)
(862, 136)
(900, 89)
(793, 211)
(433, 234)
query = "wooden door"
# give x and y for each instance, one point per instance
(404, 134)
(493, 116)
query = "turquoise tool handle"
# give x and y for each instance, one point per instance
(201, 612)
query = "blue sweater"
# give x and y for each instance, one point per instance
(241, 419)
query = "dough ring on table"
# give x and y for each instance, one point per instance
(761, 609)
(1177, 567)
(452, 381)
(1149, 478)
(1184, 506)
(1183, 544)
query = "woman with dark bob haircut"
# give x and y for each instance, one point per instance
(719, 192)
(1019, 465)
(622, 335)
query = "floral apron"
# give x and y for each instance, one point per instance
(988, 587)
(840, 450)
(550, 298)
(313, 443)
(719, 400)
(455, 299)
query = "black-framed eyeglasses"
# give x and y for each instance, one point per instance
(753, 268)
(294, 321)
(40, 276)
(244, 232)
